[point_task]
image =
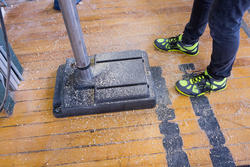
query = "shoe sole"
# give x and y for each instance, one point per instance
(200, 93)
(174, 50)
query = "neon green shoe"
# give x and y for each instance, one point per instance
(200, 84)
(175, 44)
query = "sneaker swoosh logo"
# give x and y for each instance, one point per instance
(188, 48)
(220, 82)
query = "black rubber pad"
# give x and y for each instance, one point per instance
(122, 81)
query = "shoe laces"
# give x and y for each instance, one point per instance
(173, 40)
(198, 77)
(201, 80)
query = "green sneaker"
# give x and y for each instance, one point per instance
(198, 85)
(175, 44)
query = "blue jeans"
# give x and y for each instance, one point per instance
(224, 18)
(56, 4)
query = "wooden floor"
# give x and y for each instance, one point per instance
(32, 136)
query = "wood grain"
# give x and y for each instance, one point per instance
(32, 136)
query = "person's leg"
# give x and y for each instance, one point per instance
(188, 41)
(224, 22)
(56, 4)
(198, 21)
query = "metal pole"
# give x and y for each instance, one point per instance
(72, 23)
